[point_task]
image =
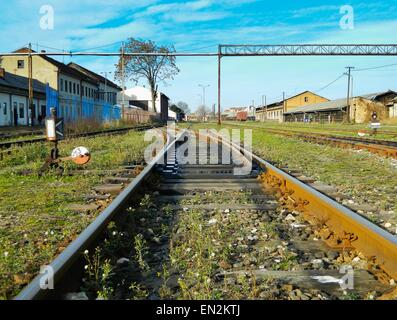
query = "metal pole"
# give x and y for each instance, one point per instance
(122, 81)
(348, 93)
(283, 105)
(106, 87)
(30, 84)
(219, 84)
(203, 87)
(265, 107)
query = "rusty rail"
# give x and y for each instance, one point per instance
(62, 263)
(348, 227)
(385, 148)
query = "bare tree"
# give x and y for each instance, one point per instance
(202, 112)
(183, 106)
(153, 69)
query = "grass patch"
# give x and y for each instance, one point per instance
(35, 224)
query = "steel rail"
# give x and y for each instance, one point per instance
(371, 239)
(61, 264)
(9, 144)
(378, 146)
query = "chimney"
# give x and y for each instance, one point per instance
(2, 73)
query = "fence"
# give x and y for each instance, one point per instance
(75, 108)
(139, 116)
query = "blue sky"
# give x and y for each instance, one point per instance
(199, 25)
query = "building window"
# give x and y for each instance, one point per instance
(70, 86)
(74, 88)
(21, 110)
(5, 108)
(61, 84)
(78, 89)
(306, 99)
(21, 64)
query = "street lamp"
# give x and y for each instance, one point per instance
(203, 86)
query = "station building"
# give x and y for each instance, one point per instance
(76, 92)
(14, 100)
(275, 111)
(361, 109)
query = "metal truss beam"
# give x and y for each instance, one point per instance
(310, 50)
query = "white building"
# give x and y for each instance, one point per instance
(14, 99)
(171, 114)
(105, 89)
(141, 97)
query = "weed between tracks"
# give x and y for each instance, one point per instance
(367, 180)
(35, 224)
(204, 254)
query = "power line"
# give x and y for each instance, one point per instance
(376, 67)
(52, 48)
(329, 84)
(99, 47)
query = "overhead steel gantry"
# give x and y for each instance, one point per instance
(309, 50)
(244, 50)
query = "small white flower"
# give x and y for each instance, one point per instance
(46, 233)
(114, 233)
(188, 250)
(6, 254)
(212, 221)
(86, 251)
(52, 232)
(85, 267)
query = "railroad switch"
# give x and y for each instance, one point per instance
(54, 133)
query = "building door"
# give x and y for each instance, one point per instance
(22, 116)
(15, 113)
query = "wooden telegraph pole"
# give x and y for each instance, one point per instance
(348, 93)
(30, 85)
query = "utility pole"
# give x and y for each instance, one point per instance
(348, 92)
(219, 84)
(283, 105)
(264, 106)
(30, 84)
(122, 81)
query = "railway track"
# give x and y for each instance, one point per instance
(10, 144)
(209, 230)
(385, 148)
